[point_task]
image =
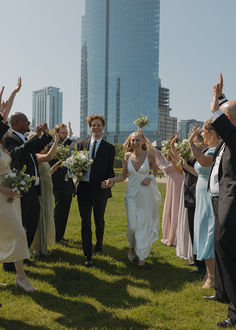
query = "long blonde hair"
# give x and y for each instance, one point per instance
(146, 145)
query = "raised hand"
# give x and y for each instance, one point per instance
(215, 103)
(70, 133)
(56, 136)
(38, 130)
(193, 135)
(45, 129)
(1, 92)
(18, 86)
(219, 86)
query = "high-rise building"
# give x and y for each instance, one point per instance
(120, 65)
(185, 127)
(167, 126)
(47, 107)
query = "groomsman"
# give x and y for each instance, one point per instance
(63, 190)
(23, 152)
(222, 184)
(92, 193)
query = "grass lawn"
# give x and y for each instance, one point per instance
(114, 294)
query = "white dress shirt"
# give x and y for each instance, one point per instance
(23, 138)
(214, 179)
(87, 175)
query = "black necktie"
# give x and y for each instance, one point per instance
(93, 150)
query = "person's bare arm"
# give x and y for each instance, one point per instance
(8, 104)
(51, 153)
(124, 173)
(172, 147)
(203, 160)
(55, 167)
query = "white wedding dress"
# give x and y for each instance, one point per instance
(142, 207)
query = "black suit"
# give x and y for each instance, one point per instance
(225, 226)
(91, 195)
(63, 191)
(22, 153)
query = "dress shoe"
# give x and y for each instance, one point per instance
(190, 264)
(97, 251)
(214, 297)
(228, 323)
(198, 271)
(89, 262)
(62, 241)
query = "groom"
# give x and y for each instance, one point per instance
(92, 193)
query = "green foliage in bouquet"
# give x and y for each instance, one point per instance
(18, 181)
(184, 151)
(142, 121)
(78, 164)
(62, 152)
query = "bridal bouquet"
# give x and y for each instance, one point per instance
(184, 151)
(142, 121)
(165, 147)
(18, 181)
(62, 152)
(78, 164)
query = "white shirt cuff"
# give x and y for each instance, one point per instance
(216, 115)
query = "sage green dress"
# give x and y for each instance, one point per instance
(45, 235)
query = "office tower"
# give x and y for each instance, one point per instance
(120, 65)
(185, 127)
(167, 125)
(47, 107)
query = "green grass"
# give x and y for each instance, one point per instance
(114, 294)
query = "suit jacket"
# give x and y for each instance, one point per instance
(227, 172)
(58, 177)
(21, 151)
(102, 166)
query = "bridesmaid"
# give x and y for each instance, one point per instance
(174, 184)
(45, 234)
(204, 219)
(13, 243)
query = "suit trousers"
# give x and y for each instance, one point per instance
(219, 282)
(191, 211)
(63, 198)
(89, 197)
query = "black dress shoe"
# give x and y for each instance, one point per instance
(214, 297)
(97, 251)
(89, 262)
(190, 264)
(62, 241)
(228, 323)
(198, 271)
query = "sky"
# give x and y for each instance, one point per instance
(41, 40)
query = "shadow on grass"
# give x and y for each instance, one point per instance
(14, 324)
(81, 314)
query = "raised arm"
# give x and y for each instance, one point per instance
(8, 104)
(172, 147)
(204, 160)
(51, 153)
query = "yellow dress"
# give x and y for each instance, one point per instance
(13, 243)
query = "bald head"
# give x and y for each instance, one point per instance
(19, 122)
(229, 108)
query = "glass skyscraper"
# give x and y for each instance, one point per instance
(120, 65)
(47, 107)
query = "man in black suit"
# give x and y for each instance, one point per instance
(222, 185)
(63, 190)
(92, 193)
(23, 153)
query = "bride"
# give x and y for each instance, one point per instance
(142, 196)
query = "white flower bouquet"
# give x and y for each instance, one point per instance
(62, 152)
(78, 164)
(142, 121)
(165, 147)
(184, 151)
(18, 181)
